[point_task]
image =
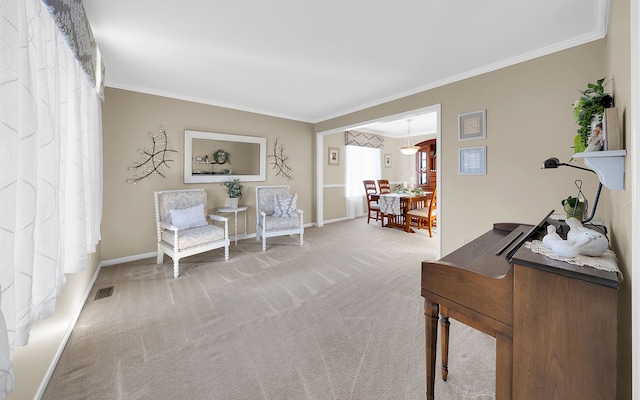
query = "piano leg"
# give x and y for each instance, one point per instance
(504, 366)
(431, 336)
(444, 338)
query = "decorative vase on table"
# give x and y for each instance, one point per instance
(234, 202)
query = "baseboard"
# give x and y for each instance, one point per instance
(122, 260)
(330, 221)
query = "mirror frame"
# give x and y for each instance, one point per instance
(188, 157)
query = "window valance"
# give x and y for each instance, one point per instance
(354, 138)
(73, 23)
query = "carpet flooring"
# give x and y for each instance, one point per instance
(339, 318)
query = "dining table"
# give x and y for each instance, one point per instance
(395, 206)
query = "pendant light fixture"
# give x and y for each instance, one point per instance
(409, 150)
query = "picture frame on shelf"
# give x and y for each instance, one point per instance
(334, 156)
(472, 125)
(387, 160)
(472, 160)
(611, 130)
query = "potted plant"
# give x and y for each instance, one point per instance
(234, 190)
(573, 207)
(588, 110)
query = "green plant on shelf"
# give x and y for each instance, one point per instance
(589, 106)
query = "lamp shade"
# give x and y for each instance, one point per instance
(409, 150)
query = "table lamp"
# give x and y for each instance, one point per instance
(555, 163)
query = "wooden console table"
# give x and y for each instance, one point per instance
(555, 323)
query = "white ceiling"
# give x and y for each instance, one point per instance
(314, 60)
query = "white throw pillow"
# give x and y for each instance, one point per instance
(285, 206)
(187, 218)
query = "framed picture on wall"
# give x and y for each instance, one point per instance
(387, 160)
(472, 125)
(334, 156)
(472, 160)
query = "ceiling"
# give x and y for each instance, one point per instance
(315, 60)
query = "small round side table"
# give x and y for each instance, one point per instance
(235, 212)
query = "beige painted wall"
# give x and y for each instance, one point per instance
(129, 116)
(617, 206)
(334, 190)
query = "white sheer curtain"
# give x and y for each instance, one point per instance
(362, 163)
(50, 171)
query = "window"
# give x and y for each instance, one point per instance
(362, 163)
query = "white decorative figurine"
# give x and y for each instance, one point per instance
(597, 243)
(580, 240)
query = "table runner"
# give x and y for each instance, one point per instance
(390, 203)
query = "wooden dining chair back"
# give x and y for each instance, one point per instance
(425, 216)
(383, 185)
(371, 192)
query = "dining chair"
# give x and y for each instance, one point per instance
(373, 208)
(383, 185)
(424, 215)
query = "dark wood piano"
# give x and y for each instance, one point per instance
(555, 323)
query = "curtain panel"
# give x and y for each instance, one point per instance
(50, 171)
(74, 26)
(362, 163)
(354, 138)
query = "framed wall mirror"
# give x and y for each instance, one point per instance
(218, 157)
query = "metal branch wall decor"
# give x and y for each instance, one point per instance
(280, 161)
(153, 159)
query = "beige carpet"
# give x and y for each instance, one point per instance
(340, 318)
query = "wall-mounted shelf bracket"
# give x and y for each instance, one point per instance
(608, 165)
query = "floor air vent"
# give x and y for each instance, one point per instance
(104, 292)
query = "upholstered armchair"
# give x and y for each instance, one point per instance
(276, 214)
(183, 228)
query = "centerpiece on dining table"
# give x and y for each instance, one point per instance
(404, 190)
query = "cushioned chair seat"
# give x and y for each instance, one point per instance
(424, 215)
(420, 212)
(281, 223)
(195, 236)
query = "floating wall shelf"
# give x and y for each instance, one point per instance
(609, 165)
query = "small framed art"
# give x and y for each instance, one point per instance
(472, 125)
(387, 160)
(472, 160)
(334, 156)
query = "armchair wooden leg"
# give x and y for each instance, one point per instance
(176, 267)
(160, 258)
